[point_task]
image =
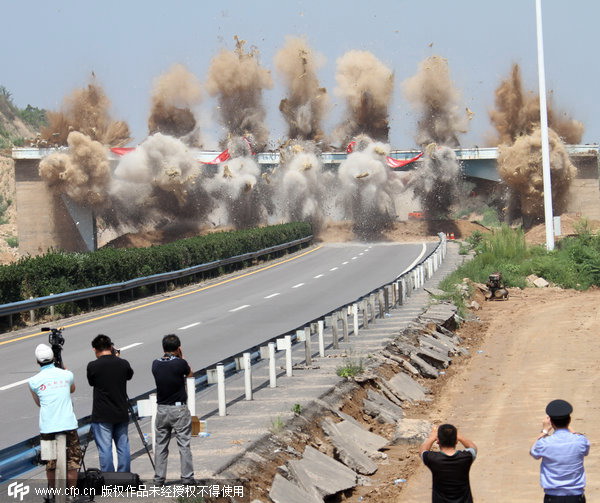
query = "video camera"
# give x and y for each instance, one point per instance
(56, 341)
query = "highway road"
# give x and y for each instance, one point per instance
(214, 320)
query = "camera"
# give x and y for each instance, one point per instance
(56, 341)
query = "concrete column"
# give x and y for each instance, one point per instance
(320, 326)
(307, 346)
(288, 356)
(221, 389)
(247, 376)
(190, 385)
(334, 330)
(344, 314)
(272, 373)
(355, 318)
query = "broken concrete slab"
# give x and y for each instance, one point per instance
(284, 491)
(435, 291)
(320, 472)
(541, 283)
(411, 431)
(406, 388)
(441, 314)
(368, 441)
(425, 368)
(382, 409)
(348, 452)
(434, 357)
(431, 342)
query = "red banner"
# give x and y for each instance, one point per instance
(122, 150)
(397, 163)
(222, 157)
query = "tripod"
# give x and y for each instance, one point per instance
(139, 430)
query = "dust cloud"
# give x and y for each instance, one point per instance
(83, 173)
(520, 166)
(367, 187)
(159, 184)
(517, 113)
(85, 110)
(306, 102)
(238, 81)
(174, 95)
(366, 85)
(433, 94)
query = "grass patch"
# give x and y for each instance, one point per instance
(12, 241)
(351, 368)
(575, 263)
(277, 425)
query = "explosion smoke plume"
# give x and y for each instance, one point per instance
(434, 95)
(301, 185)
(367, 188)
(83, 173)
(520, 166)
(174, 94)
(235, 188)
(306, 103)
(238, 80)
(517, 113)
(158, 184)
(367, 85)
(85, 110)
(436, 182)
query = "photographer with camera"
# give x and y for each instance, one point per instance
(108, 375)
(51, 390)
(173, 415)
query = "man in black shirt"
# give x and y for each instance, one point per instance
(172, 415)
(449, 467)
(108, 374)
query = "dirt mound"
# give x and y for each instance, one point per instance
(568, 225)
(8, 214)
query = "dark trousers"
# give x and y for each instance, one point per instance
(564, 499)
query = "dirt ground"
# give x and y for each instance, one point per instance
(538, 346)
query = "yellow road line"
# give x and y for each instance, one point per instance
(169, 298)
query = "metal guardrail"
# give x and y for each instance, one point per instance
(22, 457)
(98, 291)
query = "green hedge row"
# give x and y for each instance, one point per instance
(57, 272)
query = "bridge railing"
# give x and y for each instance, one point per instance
(22, 457)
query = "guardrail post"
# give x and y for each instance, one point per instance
(334, 330)
(321, 338)
(32, 313)
(289, 371)
(247, 375)
(272, 372)
(355, 318)
(381, 302)
(386, 299)
(400, 291)
(190, 384)
(60, 475)
(372, 306)
(221, 389)
(365, 317)
(344, 314)
(304, 335)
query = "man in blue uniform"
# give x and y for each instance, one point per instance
(562, 451)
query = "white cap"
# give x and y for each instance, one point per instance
(43, 353)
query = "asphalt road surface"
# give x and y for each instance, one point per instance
(214, 321)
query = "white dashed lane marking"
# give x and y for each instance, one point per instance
(333, 269)
(239, 308)
(140, 343)
(189, 326)
(272, 295)
(13, 385)
(344, 263)
(319, 276)
(298, 285)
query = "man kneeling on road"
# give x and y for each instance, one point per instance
(449, 467)
(51, 389)
(172, 414)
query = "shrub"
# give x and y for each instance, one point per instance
(58, 271)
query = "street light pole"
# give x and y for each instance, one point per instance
(548, 216)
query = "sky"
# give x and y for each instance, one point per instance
(51, 48)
